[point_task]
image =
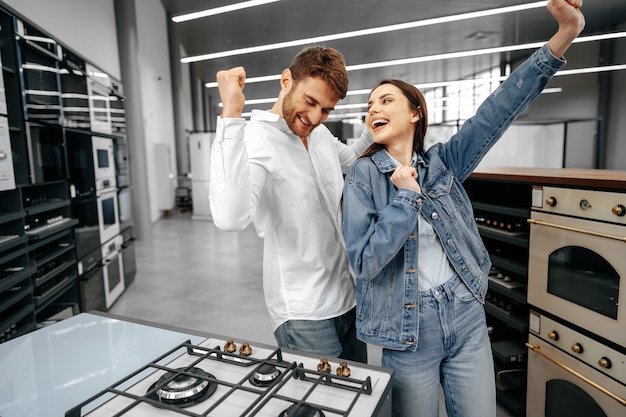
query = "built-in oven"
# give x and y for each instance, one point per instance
(74, 92)
(91, 281)
(103, 157)
(122, 166)
(39, 56)
(7, 176)
(577, 259)
(45, 153)
(113, 270)
(98, 87)
(572, 374)
(108, 213)
(128, 253)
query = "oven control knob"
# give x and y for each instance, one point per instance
(553, 335)
(551, 201)
(605, 363)
(619, 210)
(577, 348)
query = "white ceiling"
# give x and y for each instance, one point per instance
(296, 19)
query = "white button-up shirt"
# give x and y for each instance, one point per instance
(262, 173)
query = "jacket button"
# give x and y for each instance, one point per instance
(435, 216)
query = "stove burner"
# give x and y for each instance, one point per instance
(264, 376)
(303, 411)
(183, 390)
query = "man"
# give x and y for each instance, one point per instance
(283, 172)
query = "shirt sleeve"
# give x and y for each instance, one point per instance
(231, 197)
(348, 154)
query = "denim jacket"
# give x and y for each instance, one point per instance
(380, 222)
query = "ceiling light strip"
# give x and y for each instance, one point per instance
(219, 10)
(364, 32)
(449, 55)
(426, 86)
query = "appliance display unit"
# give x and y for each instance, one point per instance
(200, 154)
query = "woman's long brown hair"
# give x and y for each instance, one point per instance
(417, 102)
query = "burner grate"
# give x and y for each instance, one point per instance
(131, 397)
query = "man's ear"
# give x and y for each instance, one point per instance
(286, 80)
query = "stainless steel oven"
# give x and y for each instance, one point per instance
(113, 270)
(108, 213)
(577, 259)
(103, 157)
(98, 86)
(572, 374)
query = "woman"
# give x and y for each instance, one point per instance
(412, 242)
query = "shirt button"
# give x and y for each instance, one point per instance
(435, 216)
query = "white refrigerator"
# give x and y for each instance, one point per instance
(200, 158)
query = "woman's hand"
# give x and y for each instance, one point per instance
(406, 177)
(571, 22)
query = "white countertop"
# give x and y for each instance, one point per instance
(48, 371)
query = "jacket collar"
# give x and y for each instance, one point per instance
(386, 163)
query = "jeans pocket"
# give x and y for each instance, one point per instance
(462, 293)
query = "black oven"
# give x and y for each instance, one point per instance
(74, 94)
(91, 282)
(122, 166)
(45, 153)
(39, 57)
(129, 260)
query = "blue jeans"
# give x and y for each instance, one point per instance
(334, 337)
(453, 350)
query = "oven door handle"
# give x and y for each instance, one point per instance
(536, 349)
(575, 229)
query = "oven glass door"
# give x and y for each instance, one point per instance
(41, 86)
(578, 275)
(108, 215)
(75, 97)
(99, 110)
(554, 392)
(46, 154)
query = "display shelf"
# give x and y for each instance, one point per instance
(501, 210)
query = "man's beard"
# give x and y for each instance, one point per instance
(292, 119)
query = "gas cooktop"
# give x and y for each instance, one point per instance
(221, 377)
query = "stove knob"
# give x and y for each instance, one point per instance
(323, 366)
(245, 349)
(343, 370)
(553, 335)
(551, 201)
(619, 210)
(230, 346)
(577, 348)
(605, 362)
